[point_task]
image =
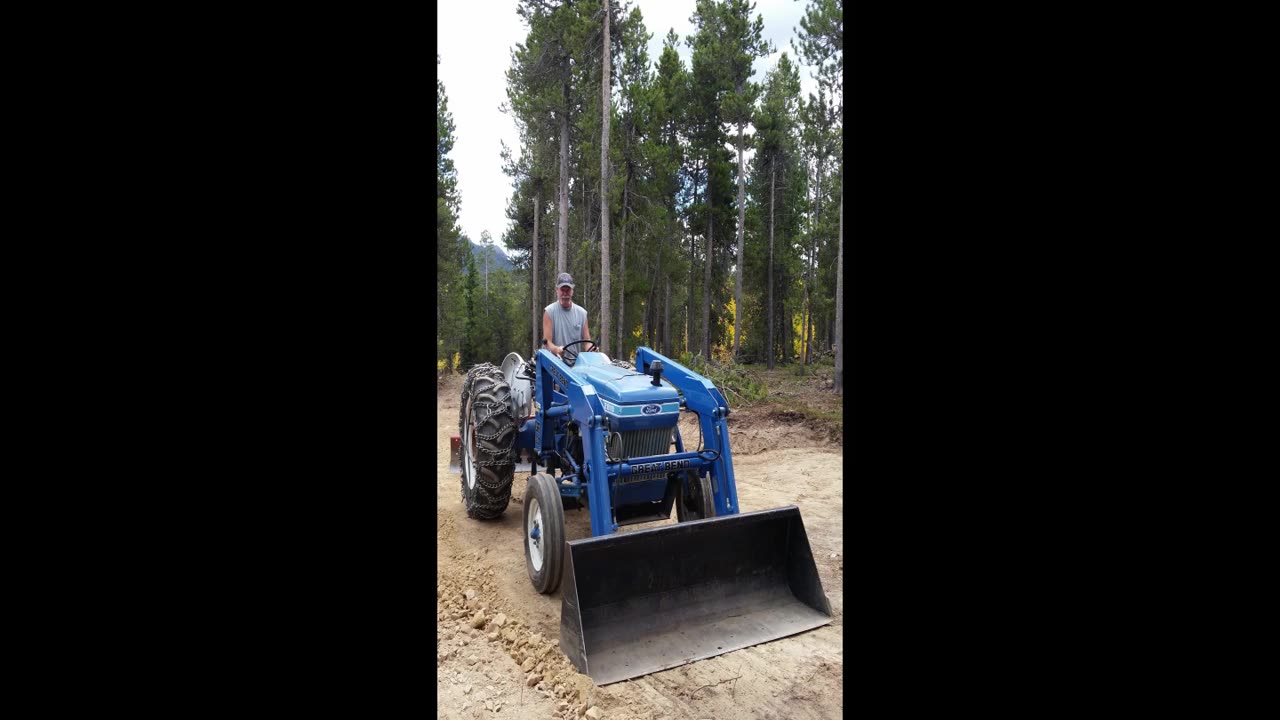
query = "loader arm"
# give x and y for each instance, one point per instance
(702, 397)
(583, 406)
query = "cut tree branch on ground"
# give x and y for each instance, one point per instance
(712, 686)
(744, 400)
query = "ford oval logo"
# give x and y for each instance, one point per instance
(651, 409)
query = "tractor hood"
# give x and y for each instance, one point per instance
(627, 393)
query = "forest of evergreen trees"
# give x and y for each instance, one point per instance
(673, 240)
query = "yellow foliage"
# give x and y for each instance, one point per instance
(724, 354)
(728, 319)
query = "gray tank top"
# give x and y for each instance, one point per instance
(566, 326)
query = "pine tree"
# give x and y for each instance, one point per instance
(450, 245)
(545, 95)
(634, 136)
(471, 331)
(741, 44)
(606, 109)
(711, 205)
(821, 44)
(821, 141)
(666, 156)
(778, 182)
(546, 76)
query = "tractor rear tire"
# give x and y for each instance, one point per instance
(543, 555)
(488, 434)
(695, 501)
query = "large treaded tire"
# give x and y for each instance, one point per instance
(485, 403)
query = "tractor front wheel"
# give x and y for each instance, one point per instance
(543, 533)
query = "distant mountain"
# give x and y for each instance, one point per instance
(499, 260)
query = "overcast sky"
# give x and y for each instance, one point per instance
(475, 40)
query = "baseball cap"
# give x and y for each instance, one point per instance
(564, 279)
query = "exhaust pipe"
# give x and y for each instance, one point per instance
(639, 602)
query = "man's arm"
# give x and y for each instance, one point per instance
(546, 333)
(586, 332)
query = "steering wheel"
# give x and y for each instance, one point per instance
(566, 346)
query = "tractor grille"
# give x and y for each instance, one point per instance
(643, 443)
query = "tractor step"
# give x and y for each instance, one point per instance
(639, 602)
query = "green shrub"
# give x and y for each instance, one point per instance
(734, 381)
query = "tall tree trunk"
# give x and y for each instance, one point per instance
(651, 309)
(533, 275)
(646, 326)
(838, 378)
(817, 216)
(655, 330)
(769, 312)
(666, 319)
(813, 328)
(785, 319)
(817, 198)
(650, 319)
(688, 305)
(622, 270)
(806, 341)
(688, 302)
(651, 336)
(562, 239)
(706, 284)
(742, 214)
(810, 332)
(605, 106)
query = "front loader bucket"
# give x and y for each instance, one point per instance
(639, 602)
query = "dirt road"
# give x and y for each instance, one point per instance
(497, 639)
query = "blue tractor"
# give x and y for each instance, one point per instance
(603, 434)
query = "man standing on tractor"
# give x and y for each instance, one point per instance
(565, 322)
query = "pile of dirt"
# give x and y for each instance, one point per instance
(494, 660)
(764, 428)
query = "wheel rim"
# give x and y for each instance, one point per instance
(469, 456)
(533, 538)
